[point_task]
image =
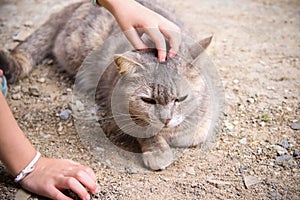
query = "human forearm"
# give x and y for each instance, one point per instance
(49, 175)
(15, 149)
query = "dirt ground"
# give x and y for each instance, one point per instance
(256, 49)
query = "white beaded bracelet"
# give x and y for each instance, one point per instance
(95, 3)
(29, 168)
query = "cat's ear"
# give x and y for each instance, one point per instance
(125, 63)
(199, 47)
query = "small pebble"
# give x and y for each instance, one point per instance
(263, 124)
(64, 114)
(20, 36)
(250, 100)
(243, 141)
(250, 180)
(229, 126)
(285, 144)
(182, 175)
(66, 91)
(22, 194)
(41, 80)
(28, 23)
(242, 169)
(25, 90)
(296, 126)
(60, 128)
(34, 91)
(16, 96)
(295, 153)
(280, 150)
(274, 194)
(235, 81)
(190, 170)
(16, 89)
(282, 158)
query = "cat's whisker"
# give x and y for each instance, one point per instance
(125, 114)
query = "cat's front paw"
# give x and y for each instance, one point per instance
(159, 159)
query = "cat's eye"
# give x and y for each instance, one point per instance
(181, 99)
(148, 100)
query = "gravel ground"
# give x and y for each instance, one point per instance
(255, 48)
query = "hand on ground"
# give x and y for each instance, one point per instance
(51, 176)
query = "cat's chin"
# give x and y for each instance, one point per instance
(170, 126)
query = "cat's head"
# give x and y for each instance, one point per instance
(160, 94)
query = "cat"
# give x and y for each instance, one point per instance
(151, 106)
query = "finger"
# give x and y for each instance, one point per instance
(90, 172)
(159, 41)
(57, 195)
(75, 186)
(86, 180)
(174, 37)
(84, 174)
(134, 38)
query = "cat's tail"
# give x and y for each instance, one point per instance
(32, 51)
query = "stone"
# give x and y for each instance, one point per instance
(22, 194)
(16, 96)
(250, 100)
(64, 114)
(41, 80)
(285, 144)
(60, 128)
(66, 91)
(280, 159)
(235, 81)
(34, 91)
(20, 36)
(190, 170)
(243, 141)
(296, 126)
(229, 125)
(250, 181)
(280, 150)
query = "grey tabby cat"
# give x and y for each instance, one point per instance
(157, 105)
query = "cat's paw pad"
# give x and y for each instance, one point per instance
(158, 160)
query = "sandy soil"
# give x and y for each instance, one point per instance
(256, 49)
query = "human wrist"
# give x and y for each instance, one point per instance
(16, 165)
(113, 6)
(29, 168)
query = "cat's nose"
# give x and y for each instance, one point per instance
(165, 121)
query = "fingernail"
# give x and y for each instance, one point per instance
(162, 59)
(96, 190)
(172, 54)
(88, 197)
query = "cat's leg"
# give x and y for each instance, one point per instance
(189, 138)
(157, 154)
(194, 135)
